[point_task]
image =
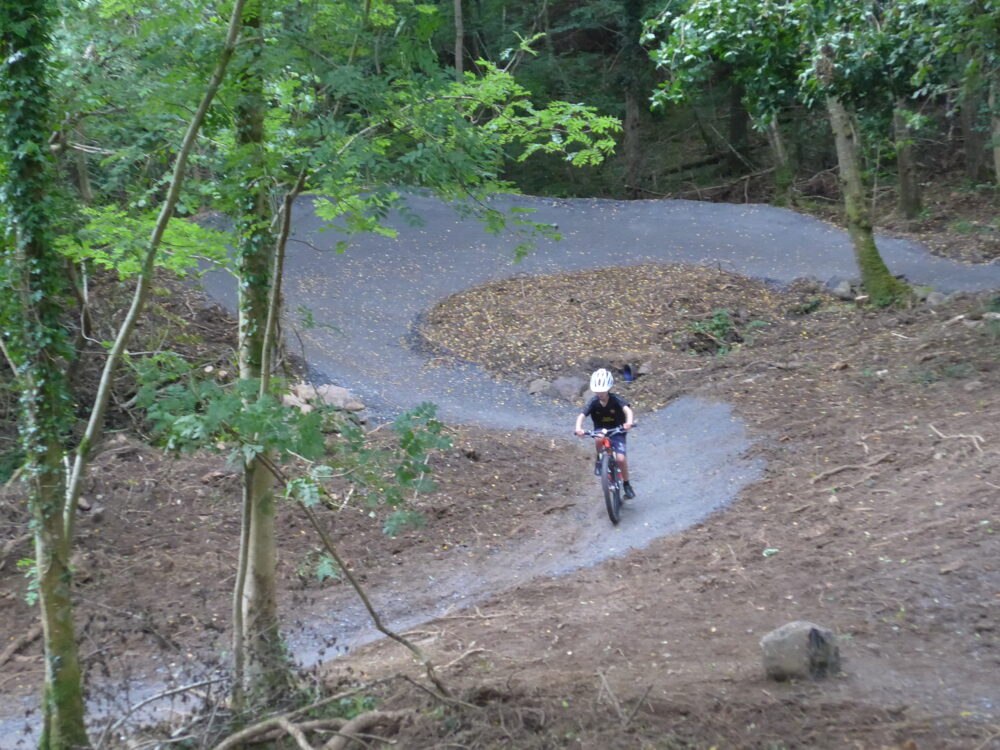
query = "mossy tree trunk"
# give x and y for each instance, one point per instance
(31, 320)
(910, 204)
(263, 672)
(880, 285)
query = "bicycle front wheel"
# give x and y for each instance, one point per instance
(612, 489)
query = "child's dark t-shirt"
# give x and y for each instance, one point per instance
(612, 415)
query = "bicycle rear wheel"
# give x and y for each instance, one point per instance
(612, 489)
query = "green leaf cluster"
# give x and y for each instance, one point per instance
(117, 240)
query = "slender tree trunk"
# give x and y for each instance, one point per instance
(632, 142)
(632, 61)
(972, 137)
(265, 666)
(882, 287)
(784, 172)
(62, 710)
(37, 344)
(995, 126)
(739, 131)
(910, 204)
(459, 41)
(82, 173)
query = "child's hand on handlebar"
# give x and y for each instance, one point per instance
(579, 433)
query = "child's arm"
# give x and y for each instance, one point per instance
(579, 424)
(629, 418)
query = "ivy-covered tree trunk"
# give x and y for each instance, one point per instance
(33, 295)
(263, 670)
(910, 204)
(882, 287)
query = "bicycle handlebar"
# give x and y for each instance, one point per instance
(604, 432)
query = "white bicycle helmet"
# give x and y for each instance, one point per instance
(601, 381)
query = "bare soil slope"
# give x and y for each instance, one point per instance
(877, 516)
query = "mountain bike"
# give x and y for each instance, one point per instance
(609, 471)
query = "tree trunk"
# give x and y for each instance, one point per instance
(972, 136)
(784, 173)
(82, 173)
(632, 60)
(632, 142)
(62, 708)
(882, 287)
(739, 131)
(906, 166)
(263, 670)
(995, 126)
(36, 342)
(459, 41)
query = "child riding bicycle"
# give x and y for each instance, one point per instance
(609, 410)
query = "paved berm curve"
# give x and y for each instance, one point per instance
(688, 457)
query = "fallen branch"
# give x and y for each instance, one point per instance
(976, 439)
(612, 698)
(276, 733)
(556, 508)
(360, 724)
(459, 658)
(20, 642)
(295, 733)
(638, 705)
(848, 467)
(111, 726)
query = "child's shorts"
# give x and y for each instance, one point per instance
(618, 443)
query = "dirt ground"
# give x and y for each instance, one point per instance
(876, 516)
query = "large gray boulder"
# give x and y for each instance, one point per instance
(800, 650)
(331, 395)
(542, 387)
(569, 387)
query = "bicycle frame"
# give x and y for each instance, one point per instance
(609, 470)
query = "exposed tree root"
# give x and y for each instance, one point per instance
(847, 467)
(9, 546)
(20, 642)
(363, 723)
(976, 439)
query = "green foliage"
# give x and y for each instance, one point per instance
(721, 331)
(719, 325)
(117, 240)
(318, 565)
(951, 371)
(760, 44)
(807, 306)
(191, 411)
(30, 569)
